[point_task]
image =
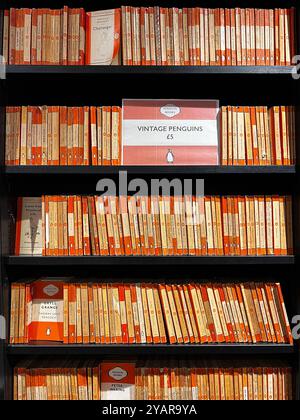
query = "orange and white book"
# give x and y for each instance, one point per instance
(72, 314)
(91, 313)
(107, 338)
(102, 306)
(133, 224)
(167, 314)
(111, 318)
(135, 313)
(264, 313)
(215, 314)
(93, 227)
(117, 381)
(47, 311)
(14, 321)
(117, 312)
(221, 313)
(93, 134)
(274, 313)
(258, 312)
(79, 329)
(125, 225)
(85, 313)
(251, 313)
(276, 225)
(129, 314)
(209, 226)
(174, 314)
(152, 313)
(85, 223)
(277, 292)
(181, 315)
(188, 313)
(140, 313)
(146, 310)
(207, 312)
(101, 225)
(224, 146)
(95, 304)
(103, 24)
(201, 322)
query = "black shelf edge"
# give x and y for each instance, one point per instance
(136, 70)
(148, 170)
(19, 261)
(150, 349)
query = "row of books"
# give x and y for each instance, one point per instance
(60, 135)
(201, 36)
(117, 313)
(258, 135)
(154, 225)
(150, 36)
(44, 36)
(152, 380)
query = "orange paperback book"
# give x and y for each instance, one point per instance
(46, 318)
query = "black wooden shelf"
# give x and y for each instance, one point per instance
(149, 349)
(20, 261)
(12, 70)
(149, 170)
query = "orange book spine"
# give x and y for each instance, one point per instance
(227, 317)
(85, 223)
(63, 121)
(137, 329)
(71, 226)
(206, 303)
(125, 225)
(66, 313)
(228, 37)
(273, 311)
(93, 129)
(289, 336)
(72, 313)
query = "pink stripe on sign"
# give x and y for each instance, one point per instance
(163, 155)
(151, 110)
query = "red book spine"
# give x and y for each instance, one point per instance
(124, 326)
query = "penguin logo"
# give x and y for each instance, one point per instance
(48, 332)
(170, 156)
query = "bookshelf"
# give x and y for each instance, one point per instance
(81, 85)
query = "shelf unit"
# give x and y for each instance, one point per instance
(84, 85)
